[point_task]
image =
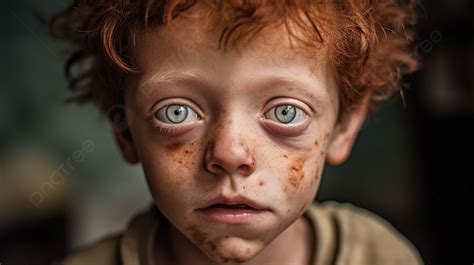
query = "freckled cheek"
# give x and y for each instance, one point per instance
(183, 157)
(300, 176)
(172, 169)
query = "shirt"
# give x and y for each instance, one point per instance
(344, 235)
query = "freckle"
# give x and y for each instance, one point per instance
(285, 156)
(296, 173)
(199, 236)
(326, 136)
(288, 211)
(260, 183)
(316, 142)
(247, 251)
(243, 187)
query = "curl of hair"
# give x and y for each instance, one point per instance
(369, 43)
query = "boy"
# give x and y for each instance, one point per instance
(232, 109)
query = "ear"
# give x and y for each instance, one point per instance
(345, 132)
(127, 147)
(122, 135)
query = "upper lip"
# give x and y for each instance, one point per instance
(233, 200)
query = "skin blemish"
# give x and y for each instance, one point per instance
(181, 153)
(199, 237)
(260, 183)
(326, 136)
(174, 147)
(296, 172)
(285, 156)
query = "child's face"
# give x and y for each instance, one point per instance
(220, 137)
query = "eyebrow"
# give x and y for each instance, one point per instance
(170, 77)
(266, 83)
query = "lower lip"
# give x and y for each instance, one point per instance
(233, 216)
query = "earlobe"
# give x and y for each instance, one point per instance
(344, 134)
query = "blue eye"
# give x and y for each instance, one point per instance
(286, 114)
(176, 113)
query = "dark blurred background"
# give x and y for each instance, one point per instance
(63, 183)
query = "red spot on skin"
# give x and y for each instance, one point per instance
(296, 171)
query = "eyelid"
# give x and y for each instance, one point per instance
(175, 101)
(291, 130)
(288, 101)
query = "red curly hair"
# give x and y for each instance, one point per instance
(368, 42)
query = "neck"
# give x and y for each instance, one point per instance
(294, 245)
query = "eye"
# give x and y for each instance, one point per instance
(176, 114)
(286, 114)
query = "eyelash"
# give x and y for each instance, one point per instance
(284, 104)
(173, 129)
(167, 129)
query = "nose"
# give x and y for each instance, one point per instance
(228, 153)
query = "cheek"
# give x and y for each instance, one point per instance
(168, 169)
(301, 174)
(181, 157)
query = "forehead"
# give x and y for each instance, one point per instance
(190, 49)
(192, 41)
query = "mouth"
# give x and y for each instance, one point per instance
(237, 210)
(231, 206)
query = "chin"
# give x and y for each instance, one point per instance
(234, 250)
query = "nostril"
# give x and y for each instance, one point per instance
(245, 169)
(218, 169)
